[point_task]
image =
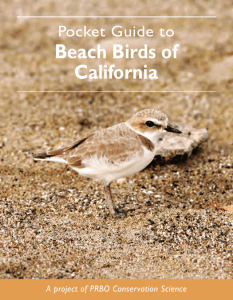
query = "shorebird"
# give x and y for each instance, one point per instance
(115, 152)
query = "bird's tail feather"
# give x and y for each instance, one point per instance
(52, 155)
(56, 155)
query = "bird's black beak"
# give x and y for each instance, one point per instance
(172, 129)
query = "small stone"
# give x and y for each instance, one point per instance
(183, 144)
(121, 180)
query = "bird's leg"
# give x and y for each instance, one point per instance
(110, 200)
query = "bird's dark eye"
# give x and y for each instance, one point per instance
(150, 124)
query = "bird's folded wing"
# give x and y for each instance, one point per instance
(116, 144)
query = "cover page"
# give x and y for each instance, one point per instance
(116, 144)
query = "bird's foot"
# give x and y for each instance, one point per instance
(118, 213)
(120, 210)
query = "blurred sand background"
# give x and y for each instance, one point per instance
(55, 224)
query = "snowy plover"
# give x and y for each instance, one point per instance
(115, 152)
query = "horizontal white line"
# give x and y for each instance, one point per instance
(116, 17)
(116, 91)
